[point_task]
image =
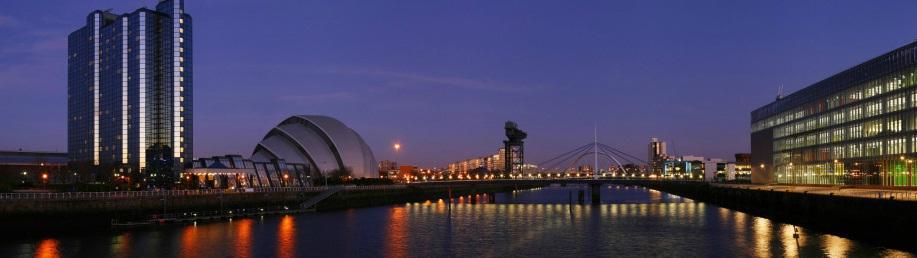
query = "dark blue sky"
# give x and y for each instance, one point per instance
(441, 77)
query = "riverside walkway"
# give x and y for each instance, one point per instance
(849, 191)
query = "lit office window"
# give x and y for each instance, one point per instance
(894, 124)
(873, 128)
(894, 103)
(897, 146)
(874, 148)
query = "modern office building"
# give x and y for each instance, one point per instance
(856, 127)
(130, 94)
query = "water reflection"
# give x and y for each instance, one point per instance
(286, 237)
(396, 238)
(189, 239)
(631, 222)
(121, 245)
(243, 237)
(47, 248)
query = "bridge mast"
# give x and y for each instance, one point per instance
(595, 151)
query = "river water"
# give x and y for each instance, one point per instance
(631, 222)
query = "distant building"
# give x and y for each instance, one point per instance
(690, 167)
(30, 168)
(657, 155)
(742, 167)
(407, 171)
(388, 168)
(685, 168)
(853, 128)
(129, 94)
(490, 164)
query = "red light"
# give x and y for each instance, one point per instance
(44, 176)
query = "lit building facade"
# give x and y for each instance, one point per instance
(657, 154)
(856, 127)
(130, 94)
(495, 163)
(235, 172)
(684, 168)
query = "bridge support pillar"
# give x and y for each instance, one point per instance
(596, 189)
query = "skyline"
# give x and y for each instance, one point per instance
(456, 70)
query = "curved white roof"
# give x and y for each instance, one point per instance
(324, 142)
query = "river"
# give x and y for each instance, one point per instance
(631, 222)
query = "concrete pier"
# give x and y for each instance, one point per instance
(596, 190)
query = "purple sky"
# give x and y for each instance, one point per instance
(441, 77)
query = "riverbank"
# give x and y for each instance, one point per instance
(100, 211)
(882, 221)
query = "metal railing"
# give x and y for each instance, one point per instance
(176, 193)
(891, 194)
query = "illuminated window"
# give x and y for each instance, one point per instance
(855, 131)
(874, 148)
(894, 125)
(897, 146)
(894, 103)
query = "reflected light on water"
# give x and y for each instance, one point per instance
(189, 239)
(762, 234)
(396, 239)
(836, 246)
(121, 246)
(790, 244)
(243, 237)
(47, 248)
(286, 237)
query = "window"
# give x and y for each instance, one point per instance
(873, 128)
(837, 152)
(838, 117)
(855, 113)
(873, 108)
(874, 148)
(894, 124)
(855, 131)
(897, 146)
(895, 103)
(873, 89)
(837, 135)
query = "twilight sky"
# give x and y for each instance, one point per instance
(441, 77)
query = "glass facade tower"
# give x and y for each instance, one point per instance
(130, 94)
(858, 127)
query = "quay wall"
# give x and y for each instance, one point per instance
(885, 222)
(99, 212)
